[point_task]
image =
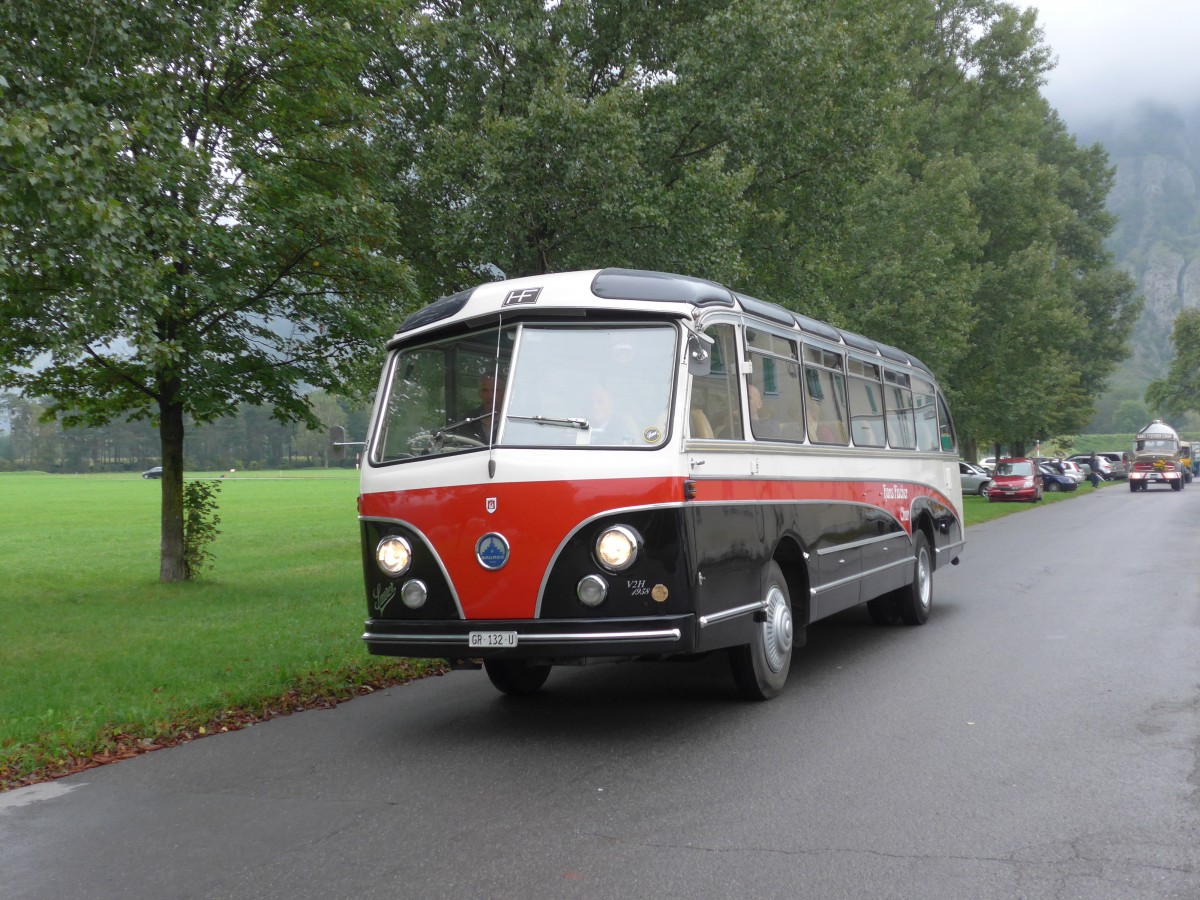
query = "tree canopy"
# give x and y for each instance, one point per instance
(190, 211)
(206, 203)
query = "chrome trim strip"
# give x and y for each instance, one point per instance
(864, 542)
(672, 634)
(730, 613)
(958, 545)
(907, 561)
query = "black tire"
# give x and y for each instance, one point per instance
(1133, 487)
(983, 488)
(1054, 487)
(914, 602)
(514, 677)
(760, 668)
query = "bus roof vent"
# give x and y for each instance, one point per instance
(893, 353)
(858, 341)
(436, 311)
(820, 329)
(659, 287)
(766, 310)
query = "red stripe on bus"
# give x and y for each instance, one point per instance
(535, 517)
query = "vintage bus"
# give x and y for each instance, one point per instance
(1156, 458)
(626, 465)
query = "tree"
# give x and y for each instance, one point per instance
(1179, 392)
(1049, 315)
(189, 211)
(711, 138)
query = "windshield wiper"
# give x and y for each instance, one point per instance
(581, 424)
(469, 420)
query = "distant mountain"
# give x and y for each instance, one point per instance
(1156, 150)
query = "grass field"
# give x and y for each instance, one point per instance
(98, 658)
(96, 653)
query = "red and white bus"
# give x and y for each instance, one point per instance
(620, 464)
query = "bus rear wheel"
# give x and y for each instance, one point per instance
(760, 668)
(914, 601)
(515, 677)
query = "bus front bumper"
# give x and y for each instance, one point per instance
(562, 639)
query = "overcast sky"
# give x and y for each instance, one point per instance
(1113, 53)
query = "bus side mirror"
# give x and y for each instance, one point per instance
(337, 444)
(699, 357)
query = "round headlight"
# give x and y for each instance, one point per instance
(414, 593)
(617, 548)
(591, 590)
(394, 555)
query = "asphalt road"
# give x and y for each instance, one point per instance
(1039, 737)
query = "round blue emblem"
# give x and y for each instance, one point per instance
(492, 551)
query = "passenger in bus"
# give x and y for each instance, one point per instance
(606, 424)
(820, 431)
(761, 425)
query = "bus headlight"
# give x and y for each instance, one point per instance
(591, 590)
(617, 548)
(394, 555)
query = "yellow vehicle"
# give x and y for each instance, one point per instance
(1186, 460)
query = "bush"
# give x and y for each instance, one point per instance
(200, 521)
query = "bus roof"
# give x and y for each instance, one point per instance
(631, 290)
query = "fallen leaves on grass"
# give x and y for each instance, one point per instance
(320, 691)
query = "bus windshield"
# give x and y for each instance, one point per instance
(530, 386)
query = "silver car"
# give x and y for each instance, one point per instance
(975, 480)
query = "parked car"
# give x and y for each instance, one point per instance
(1083, 460)
(987, 463)
(975, 480)
(1054, 480)
(155, 472)
(1071, 470)
(1015, 479)
(1119, 469)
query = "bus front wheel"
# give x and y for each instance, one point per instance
(515, 677)
(760, 668)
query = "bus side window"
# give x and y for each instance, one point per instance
(826, 406)
(925, 408)
(901, 430)
(715, 398)
(866, 404)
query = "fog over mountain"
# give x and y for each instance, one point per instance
(1128, 77)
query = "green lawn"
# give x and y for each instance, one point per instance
(94, 651)
(96, 656)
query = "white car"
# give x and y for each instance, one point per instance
(1071, 470)
(988, 463)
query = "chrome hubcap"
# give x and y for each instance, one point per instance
(924, 581)
(777, 629)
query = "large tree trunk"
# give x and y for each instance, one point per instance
(170, 432)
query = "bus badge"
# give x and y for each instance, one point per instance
(492, 551)
(490, 504)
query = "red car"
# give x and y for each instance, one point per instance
(1015, 479)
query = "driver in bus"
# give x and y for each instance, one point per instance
(491, 392)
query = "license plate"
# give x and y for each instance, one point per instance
(491, 639)
(1156, 478)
